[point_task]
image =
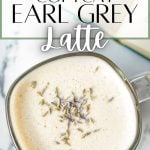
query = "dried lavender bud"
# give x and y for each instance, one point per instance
(79, 129)
(86, 134)
(96, 130)
(111, 99)
(41, 93)
(33, 84)
(45, 114)
(57, 142)
(42, 102)
(97, 68)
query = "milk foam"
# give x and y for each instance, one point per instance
(113, 108)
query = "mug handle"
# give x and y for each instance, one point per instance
(141, 84)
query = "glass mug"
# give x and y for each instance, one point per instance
(138, 86)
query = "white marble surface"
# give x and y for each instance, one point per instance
(17, 56)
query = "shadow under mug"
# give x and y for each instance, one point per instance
(138, 86)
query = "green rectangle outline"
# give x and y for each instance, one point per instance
(40, 38)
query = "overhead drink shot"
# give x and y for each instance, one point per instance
(76, 101)
(74, 75)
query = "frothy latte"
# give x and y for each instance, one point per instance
(73, 103)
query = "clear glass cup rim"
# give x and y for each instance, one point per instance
(115, 67)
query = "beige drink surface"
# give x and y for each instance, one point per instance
(74, 103)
